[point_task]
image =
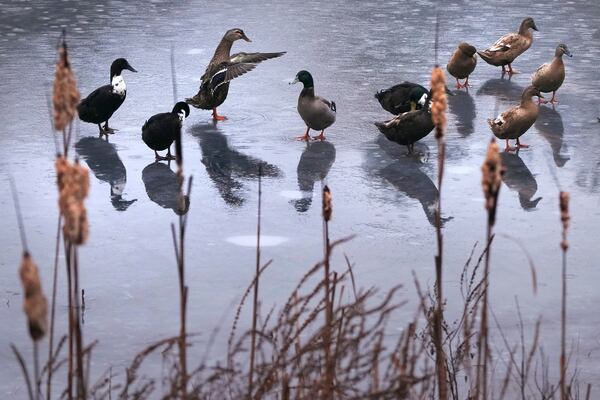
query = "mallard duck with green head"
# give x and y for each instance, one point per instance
(550, 76)
(316, 112)
(223, 68)
(510, 46)
(410, 127)
(514, 122)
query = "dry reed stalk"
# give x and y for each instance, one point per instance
(256, 283)
(179, 247)
(327, 336)
(52, 311)
(438, 116)
(492, 171)
(564, 245)
(73, 187)
(65, 96)
(35, 304)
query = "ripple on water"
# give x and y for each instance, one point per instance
(250, 240)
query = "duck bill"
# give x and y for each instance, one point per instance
(246, 38)
(534, 27)
(130, 68)
(294, 81)
(567, 52)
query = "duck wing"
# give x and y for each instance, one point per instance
(99, 105)
(238, 65)
(329, 104)
(539, 73)
(505, 43)
(254, 58)
(507, 116)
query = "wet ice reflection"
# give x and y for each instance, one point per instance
(314, 165)
(227, 167)
(104, 161)
(520, 179)
(162, 187)
(549, 124)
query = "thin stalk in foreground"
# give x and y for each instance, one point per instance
(256, 278)
(491, 181)
(329, 362)
(564, 244)
(438, 116)
(53, 312)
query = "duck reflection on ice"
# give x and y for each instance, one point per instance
(518, 177)
(463, 107)
(162, 188)
(549, 124)
(104, 161)
(501, 88)
(314, 165)
(406, 174)
(226, 166)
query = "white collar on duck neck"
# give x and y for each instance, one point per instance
(118, 85)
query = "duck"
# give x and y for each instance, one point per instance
(162, 129)
(403, 97)
(102, 103)
(222, 68)
(549, 77)
(514, 122)
(316, 112)
(410, 127)
(506, 49)
(462, 63)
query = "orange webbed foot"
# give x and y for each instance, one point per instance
(321, 136)
(217, 117)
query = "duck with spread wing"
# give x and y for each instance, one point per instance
(222, 69)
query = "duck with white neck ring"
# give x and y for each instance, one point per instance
(161, 130)
(100, 105)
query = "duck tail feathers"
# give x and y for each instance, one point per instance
(193, 101)
(381, 126)
(486, 57)
(333, 106)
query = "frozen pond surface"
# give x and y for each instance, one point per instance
(382, 196)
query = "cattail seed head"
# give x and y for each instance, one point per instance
(491, 179)
(34, 304)
(65, 95)
(438, 100)
(327, 205)
(73, 186)
(564, 218)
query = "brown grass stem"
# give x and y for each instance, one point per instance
(70, 328)
(24, 370)
(438, 115)
(256, 285)
(53, 311)
(565, 217)
(36, 369)
(328, 389)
